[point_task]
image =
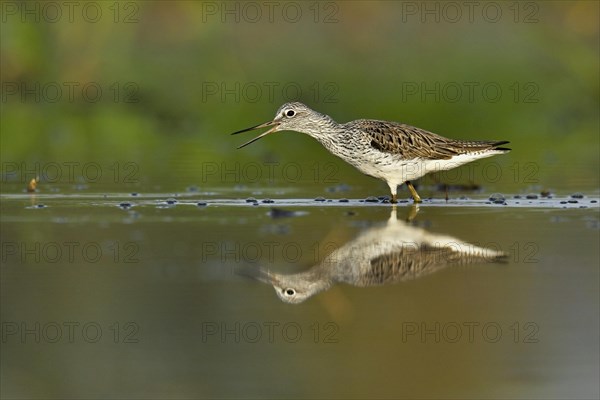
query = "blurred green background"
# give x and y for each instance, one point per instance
(151, 90)
(141, 97)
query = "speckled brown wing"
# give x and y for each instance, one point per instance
(410, 142)
(407, 264)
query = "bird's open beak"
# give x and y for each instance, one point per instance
(274, 124)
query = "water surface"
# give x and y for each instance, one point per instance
(118, 296)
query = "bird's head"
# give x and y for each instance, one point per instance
(292, 116)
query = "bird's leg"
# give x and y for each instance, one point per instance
(393, 190)
(413, 192)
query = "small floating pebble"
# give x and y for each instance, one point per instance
(496, 197)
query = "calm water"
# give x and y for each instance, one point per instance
(157, 300)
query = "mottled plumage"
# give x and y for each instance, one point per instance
(396, 252)
(395, 152)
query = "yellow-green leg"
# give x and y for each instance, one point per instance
(413, 192)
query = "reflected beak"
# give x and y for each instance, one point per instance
(274, 124)
(259, 274)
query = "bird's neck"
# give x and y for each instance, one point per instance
(327, 132)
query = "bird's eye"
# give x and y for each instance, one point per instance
(290, 113)
(289, 292)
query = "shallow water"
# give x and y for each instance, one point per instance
(121, 295)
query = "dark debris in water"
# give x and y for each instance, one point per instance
(201, 204)
(320, 198)
(41, 205)
(125, 205)
(343, 200)
(171, 201)
(268, 201)
(372, 199)
(577, 196)
(134, 194)
(338, 188)
(251, 200)
(531, 196)
(281, 213)
(467, 187)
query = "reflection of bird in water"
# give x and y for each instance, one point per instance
(393, 253)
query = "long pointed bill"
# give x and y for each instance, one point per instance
(274, 125)
(260, 274)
